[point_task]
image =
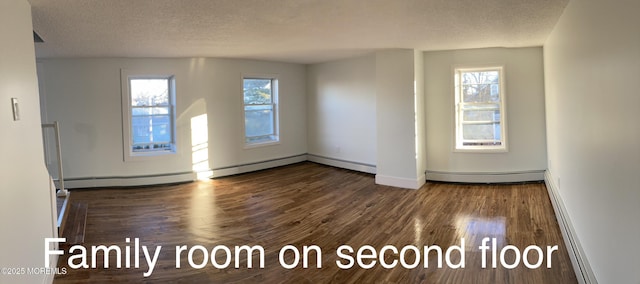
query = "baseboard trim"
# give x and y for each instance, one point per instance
(581, 265)
(123, 181)
(498, 177)
(401, 182)
(349, 165)
(256, 166)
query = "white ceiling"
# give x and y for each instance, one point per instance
(301, 31)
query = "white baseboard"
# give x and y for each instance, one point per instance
(262, 165)
(349, 165)
(401, 182)
(129, 180)
(486, 177)
(578, 258)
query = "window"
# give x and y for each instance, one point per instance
(260, 110)
(480, 113)
(149, 116)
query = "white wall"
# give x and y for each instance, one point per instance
(84, 95)
(25, 196)
(526, 158)
(592, 66)
(342, 112)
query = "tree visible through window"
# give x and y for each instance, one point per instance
(260, 115)
(480, 109)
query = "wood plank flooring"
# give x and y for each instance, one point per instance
(77, 220)
(310, 204)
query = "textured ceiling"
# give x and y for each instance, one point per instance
(301, 31)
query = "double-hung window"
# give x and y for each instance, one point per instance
(260, 97)
(480, 109)
(149, 117)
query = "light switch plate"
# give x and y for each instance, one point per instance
(16, 109)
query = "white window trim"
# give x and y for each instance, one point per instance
(457, 129)
(275, 93)
(127, 141)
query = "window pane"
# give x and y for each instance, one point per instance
(161, 129)
(488, 131)
(495, 92)
(479, 93)
(160, 110)
(258, 122)
(481, 86)
(140, 127)
(480, 77)
(257, 91)
(481, 115)
(151, 129)
(149, 92)
(136, 111)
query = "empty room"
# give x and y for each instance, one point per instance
(285, 141)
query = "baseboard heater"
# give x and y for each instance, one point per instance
(495, 177)
(581, 265)
(350, 165)
(256, 166)
(124, 181)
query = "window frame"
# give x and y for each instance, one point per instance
(127, 115)
(274, 137)
(459, 113)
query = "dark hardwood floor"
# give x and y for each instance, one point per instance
(310, 204)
